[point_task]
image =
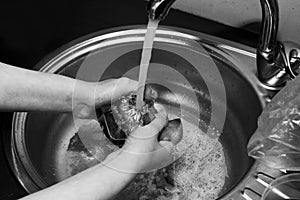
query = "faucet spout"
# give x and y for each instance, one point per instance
(272, 64)
(158, 9)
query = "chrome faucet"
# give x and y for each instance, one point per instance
(277, 61)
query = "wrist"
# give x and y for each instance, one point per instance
(125, 161)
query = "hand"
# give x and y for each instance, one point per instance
(87, 96)
(112, 89)
(142, 152)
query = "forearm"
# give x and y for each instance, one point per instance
(30, 90)
(100, 182)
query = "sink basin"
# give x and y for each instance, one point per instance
(220, 74)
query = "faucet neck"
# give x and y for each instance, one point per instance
(158, 9)
(270, 58)
(270, 20)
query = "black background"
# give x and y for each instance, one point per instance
(31, 29)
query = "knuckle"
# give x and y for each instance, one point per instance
(124, 80)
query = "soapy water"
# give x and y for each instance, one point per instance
(199, 173)
(196, 175)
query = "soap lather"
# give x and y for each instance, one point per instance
(122, 117)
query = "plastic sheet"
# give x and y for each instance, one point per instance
(276, 142)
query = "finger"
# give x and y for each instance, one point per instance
(122, 86)
(110, 90)
(124, 83)
(173, 132)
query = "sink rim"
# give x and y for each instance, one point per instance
(220, 46)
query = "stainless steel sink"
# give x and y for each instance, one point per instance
(39, 138)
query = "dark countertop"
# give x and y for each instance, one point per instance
(10, 188)
(32, 29)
